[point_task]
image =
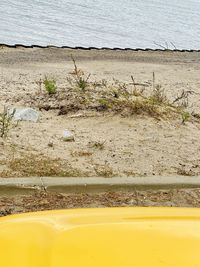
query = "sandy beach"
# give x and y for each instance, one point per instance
(154, 139)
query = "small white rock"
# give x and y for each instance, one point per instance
(68, 136)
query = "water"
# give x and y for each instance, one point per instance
(111, 23)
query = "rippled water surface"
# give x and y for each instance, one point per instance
(112, 23)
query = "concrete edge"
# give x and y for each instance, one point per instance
(94, 184)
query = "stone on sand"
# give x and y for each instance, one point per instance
(68, 136)
(25, 114)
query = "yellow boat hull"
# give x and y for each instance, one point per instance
(118, 237)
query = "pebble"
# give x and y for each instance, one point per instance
(68, 136)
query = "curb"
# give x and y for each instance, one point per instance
(13, 186)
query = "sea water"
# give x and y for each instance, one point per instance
(102, 23)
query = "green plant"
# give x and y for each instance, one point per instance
(185, 116)
(5, 121)
(81, 80)
(50, 86)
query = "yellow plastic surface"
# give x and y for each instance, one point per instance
(118, 237)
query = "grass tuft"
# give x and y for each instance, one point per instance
(50, 86)
(5, 122)
(79, 77)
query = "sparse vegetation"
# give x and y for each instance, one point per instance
(104, 104)
(137, 91)
(79, 77)
(185, 116)
(50, 86)
(127, 99)
(158, 95)
(152, 117)
(5, 122)
(97, 144)
(38, 165)
(137, 106)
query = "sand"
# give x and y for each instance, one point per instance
(136, 145)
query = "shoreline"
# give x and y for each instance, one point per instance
(57, 55)
(148, 49)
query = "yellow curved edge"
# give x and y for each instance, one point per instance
(118, 237)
